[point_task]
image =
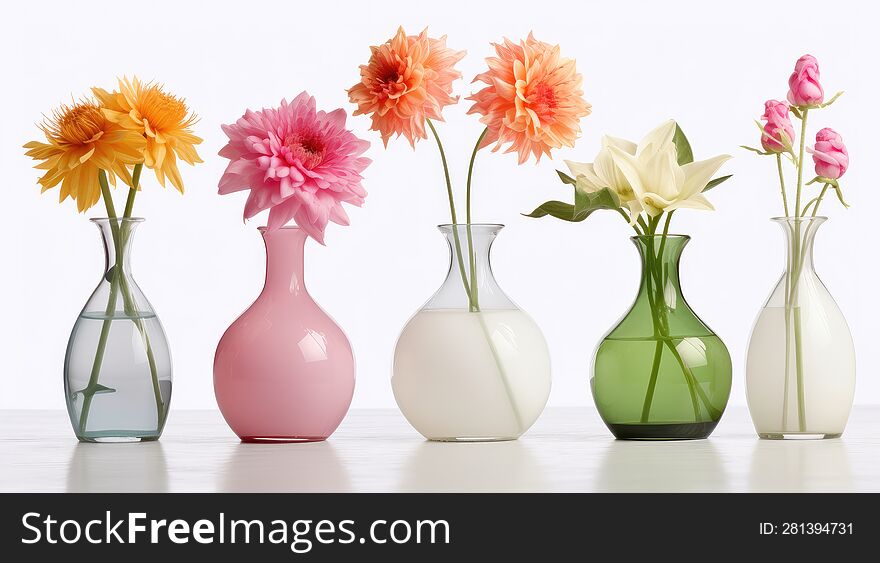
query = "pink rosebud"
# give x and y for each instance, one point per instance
(803, 84)
(830, 154)
(778, 130)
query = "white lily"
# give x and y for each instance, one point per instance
(659, 183)
(603, 173)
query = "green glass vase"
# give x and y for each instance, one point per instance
(661, 373)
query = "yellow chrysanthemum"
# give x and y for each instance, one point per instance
(82, 141)
(163, 119)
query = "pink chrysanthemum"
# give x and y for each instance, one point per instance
(408, 79)
(301, 163)
(533, 100)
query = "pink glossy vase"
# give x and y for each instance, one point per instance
(284, 371)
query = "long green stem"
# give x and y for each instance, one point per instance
(692, 382)
(652, 382)
(120, 232)
(517, 417)
(92, 387)
(788, 272)
(800, 174)
(471, 171)
(472, 306)
(471, 289)
(782, 183)
(129, 209)
(133, 190)
(791, 308)
(472, 259)
(799, 366)
(688, 376)
(111, 209)
(665, 235)
(655, 285)
(819, 199)
(131, 307)
(658, 351)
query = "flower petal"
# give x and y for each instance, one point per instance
(699, 173)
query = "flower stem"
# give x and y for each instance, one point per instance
(785, 384)
(474, 295)
(517, 417)
(131, 307)
(133, 190)
(791, 306)
(120, 232)
(800, 174)
(782, 183)
(471, 171)
(799, 366)
(652, 382)
(472, 306)
(109, 312)
(793, 315)
(819, 199)
(655, 285)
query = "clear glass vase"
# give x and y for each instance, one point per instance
(117, 371)
(470, 365)
(661, 373)
(801, 368)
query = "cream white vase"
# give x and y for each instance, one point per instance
(800, 369)
(470, 365)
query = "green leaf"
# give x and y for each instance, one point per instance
(796, 112)
(558, 209)
(716, 181)
(685, 153)
(840, 195)
(753, 149)
(566, 179)
(96, 390)
(585, 203)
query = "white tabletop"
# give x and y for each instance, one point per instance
(568, 450)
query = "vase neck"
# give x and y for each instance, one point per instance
(284, 260)
(117, 236)
(660, 260)
(470, 269)
(799, 233)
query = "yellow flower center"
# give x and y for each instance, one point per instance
(77, 125)
(162, 111)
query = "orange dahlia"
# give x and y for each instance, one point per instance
(408, 79)
(533, 100)
(81, 142)
(163, 119)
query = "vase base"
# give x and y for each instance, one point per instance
(464, 439)
(684, 431)
(99, 438)
(798, 435)
(281, 439)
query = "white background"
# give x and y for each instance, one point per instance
(708, 65)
